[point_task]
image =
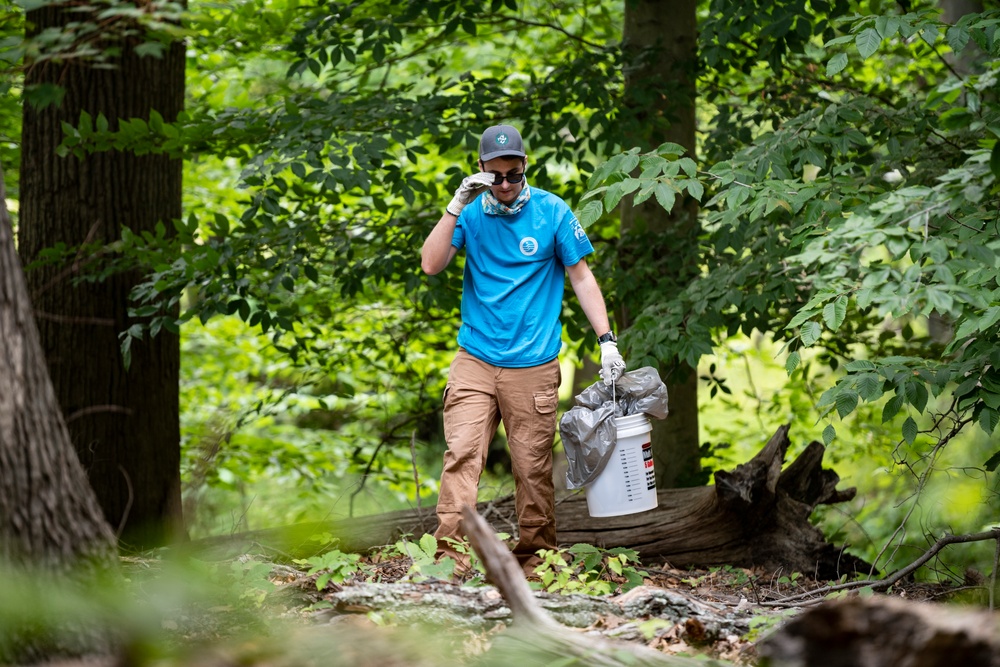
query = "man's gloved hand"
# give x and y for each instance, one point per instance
(469, 189)
(612, 364)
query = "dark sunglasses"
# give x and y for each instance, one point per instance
(511, 178)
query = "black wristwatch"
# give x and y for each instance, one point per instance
(607, 338)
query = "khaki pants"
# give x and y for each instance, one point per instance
(478, 396)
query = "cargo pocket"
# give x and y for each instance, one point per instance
(544, 430)
(546, 403)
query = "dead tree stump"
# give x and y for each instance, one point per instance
(755, 515)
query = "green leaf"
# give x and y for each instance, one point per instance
(154, 49)
(428, 544)
(836, 64)
(670, 149)
(967, 386)
(829, 433)
(601, 174)
(870, 387)
(868, 41)
(859, 365)
(992, 463)
(892, 407)
(591, 213)
(958, 37)
(800, 317)
(811, 332)
(618, 190)
(988, 420)
(665, 196)
(846, 402)
(443, 569)
(695, 189)
(910, 430)
(834, 313)
(916, 394)
(792, 362)
(995, 159)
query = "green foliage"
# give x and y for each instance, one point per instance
(11, 27)
(93, 34)
(273, 443)
(894, 227)
(761, 625)
(846, 174)
(583, 568)
(424, 563)
(318, 151)
(334, 565)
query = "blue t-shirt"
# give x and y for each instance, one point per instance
(512, 290)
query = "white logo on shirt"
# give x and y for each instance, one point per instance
(529, 246)
(577, 230)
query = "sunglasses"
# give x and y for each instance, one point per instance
(511, 178)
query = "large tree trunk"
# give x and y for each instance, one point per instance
(660, 247)
(124, 424)
(49, 517)
(755, 515)
(52, 531)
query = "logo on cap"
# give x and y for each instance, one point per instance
(501, 139)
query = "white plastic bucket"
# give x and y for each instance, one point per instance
(627, 483)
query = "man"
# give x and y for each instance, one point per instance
(520, 243)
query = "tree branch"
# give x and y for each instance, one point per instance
(886, 583)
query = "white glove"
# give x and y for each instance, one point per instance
(612, 364)
(469, 189)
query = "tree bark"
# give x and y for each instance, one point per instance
(754, 516)
(49, 516)
(658, 246)
(124, 423)
(53, 535)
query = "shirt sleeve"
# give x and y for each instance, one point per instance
(458, 237)
(572, 243)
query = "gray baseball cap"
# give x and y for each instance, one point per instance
(500, 141)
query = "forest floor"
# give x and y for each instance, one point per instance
(388, 616)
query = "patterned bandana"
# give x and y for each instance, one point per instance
(493, 206)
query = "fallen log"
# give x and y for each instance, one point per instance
(754, 516)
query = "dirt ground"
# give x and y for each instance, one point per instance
(388, 616)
